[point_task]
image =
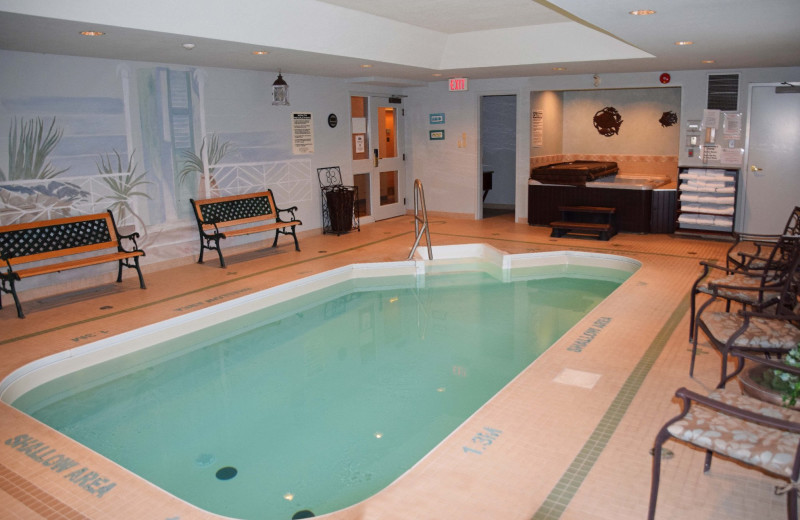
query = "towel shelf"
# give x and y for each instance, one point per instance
(706, 200)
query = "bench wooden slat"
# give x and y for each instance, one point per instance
(61, 253)
(57, 222)
(73, 264)
(258, 229)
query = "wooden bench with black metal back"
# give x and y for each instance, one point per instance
(49, 242)
(216, 216)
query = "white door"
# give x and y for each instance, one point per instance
(378, 168)
(772, 171)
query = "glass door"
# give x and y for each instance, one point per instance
(378, 168)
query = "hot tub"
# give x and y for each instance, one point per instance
(629, 181)
(644, 203)
(573, 173)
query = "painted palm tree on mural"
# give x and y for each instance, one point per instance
(123, 187)
(30, 143)
(193, 162)
(28, 149)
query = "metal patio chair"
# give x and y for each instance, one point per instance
(756, 433)
(754, 286)
(769, 331)
(749, 250)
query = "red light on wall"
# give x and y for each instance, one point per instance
(458, 84)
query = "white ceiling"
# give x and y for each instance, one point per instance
(457, 16)
(408, 41)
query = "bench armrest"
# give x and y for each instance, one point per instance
(5, 258)
(120, 237)
(291, 211)
(209, 222)
(131, 237)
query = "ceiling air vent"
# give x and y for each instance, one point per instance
(723, 91)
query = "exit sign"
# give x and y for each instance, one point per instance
(458, 84)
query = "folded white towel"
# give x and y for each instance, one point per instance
(708, 189)
(723, 221)
(708, 172)
(707, 182)
(707, 208)
(716, 199)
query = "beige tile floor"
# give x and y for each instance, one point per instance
(566, 452)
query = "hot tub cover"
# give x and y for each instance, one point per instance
(575, 173)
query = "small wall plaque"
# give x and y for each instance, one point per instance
(436, 119)
(436, 135)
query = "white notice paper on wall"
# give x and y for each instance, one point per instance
(537, 128)
(710, 118)
(710, 153)
(359, 125)
(731, 125)
(302, 133)
(731, 156)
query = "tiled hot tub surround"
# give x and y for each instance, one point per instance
(640, 165)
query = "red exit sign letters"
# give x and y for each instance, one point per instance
(458, 84)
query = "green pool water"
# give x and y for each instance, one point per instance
(323, 401)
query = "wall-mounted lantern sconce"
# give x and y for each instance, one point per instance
(280, 91)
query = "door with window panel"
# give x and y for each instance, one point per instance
(378, 169)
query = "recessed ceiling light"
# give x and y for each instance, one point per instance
(260, 53)
(684, 42)
(642, 12)
(709, 61)
(559, 68)
(366, 66)
(188, 46)
(437, 74)
(92, 33)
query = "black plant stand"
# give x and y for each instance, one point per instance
(339, 212)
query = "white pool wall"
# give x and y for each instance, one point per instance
(448, 258)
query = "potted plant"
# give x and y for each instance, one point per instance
(774, 385)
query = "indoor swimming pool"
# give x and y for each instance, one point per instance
(309, 398)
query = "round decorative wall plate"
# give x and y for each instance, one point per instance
(668, 118)
(607, 121)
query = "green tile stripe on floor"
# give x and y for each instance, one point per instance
(199, 289)
(556, 502)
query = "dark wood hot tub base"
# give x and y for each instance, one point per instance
(633, 207)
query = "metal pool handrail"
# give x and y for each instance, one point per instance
(419, 203)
